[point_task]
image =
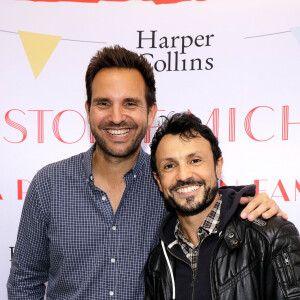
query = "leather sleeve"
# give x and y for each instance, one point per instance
(149, 280)
(283, 280)
(157, 280)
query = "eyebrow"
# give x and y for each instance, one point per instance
(133, 99)
(108, 99)
(100, 99)
(173, 159)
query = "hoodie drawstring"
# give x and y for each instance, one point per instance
(170, 268)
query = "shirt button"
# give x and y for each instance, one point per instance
(113, 260)
(91, 178)
(114, 228)
(111, 293)
(103, 198)
(134, 176)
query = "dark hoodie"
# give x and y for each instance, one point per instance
(186, 286)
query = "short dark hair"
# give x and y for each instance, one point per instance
(121, 58)
(187, 126)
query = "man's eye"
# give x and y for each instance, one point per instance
(169, 166)
(103, 103)
(195, 161)
(130, 104)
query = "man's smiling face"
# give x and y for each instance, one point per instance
(118, 115)
(187, 174)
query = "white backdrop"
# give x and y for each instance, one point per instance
(246, 87)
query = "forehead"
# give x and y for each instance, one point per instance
(176, 147)
(118, 82)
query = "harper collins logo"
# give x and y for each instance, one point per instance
(174, 55)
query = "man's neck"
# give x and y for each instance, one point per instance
(191, 224)
(109, 174)
(111, 168)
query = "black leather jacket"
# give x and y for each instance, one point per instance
(259, 260)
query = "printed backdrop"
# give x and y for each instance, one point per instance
(235, 64)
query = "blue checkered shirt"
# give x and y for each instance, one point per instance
(70, 237)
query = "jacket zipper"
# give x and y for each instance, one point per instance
(193, 285)
(289, 269)
(214, 252)
(190, 267)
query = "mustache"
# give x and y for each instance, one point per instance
(123, 124)
(189, 181)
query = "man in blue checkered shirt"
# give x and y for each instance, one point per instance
(90, 221)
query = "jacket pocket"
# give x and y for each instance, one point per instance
(287, 271)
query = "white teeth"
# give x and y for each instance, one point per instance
(188, 189)
(118, 132)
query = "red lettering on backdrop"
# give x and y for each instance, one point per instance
(232, 124)
(96, 1)
(147, 138)
(15, 125)
(222, 183)
(247, 123)
(285, 122)
(282, 190)
(215, 118)
(256, 182)
(20, 188)
(1, 198)
(40, 124)
(55, 126)
(297, 187)
(168, 1)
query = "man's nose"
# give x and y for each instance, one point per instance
(183, 173)
(117, 115)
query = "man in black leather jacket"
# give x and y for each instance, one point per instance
(207, 251)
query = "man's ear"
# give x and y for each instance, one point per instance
(151, 114)
(157, 180)
(219, 167)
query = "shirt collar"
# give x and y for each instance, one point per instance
(208, 226)
(211, 222)
(87, 162)
(138, 167)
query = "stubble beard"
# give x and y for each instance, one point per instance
(207, 199)
(130, 151)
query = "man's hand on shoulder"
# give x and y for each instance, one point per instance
(260, 205)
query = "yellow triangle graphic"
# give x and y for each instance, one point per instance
(38, 48)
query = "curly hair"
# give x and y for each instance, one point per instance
(188, 126)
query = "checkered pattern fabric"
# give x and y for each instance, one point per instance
(70, 237)
(208, 227)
